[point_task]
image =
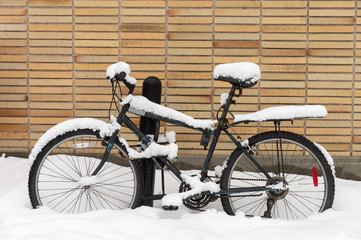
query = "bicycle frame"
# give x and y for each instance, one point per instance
(164, 162)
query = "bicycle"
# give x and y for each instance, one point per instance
(82, 164)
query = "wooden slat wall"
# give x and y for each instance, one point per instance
(53, 56)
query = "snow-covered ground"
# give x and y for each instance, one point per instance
(19, 221)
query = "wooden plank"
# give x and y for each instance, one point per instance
(284, 36)
(231, 59)
(236, 51)
(284, 4)
(190, 20)
(13, 50)
(332, 12)
(100, 4)
(330, 60)
(13, 66)
(284, 20)
(96, 11)
(96, 43)
(95, 35)
(50, 43)
(13, 58)
(329, 76)
(332, 4)
(142, 28)
(13, 43)
(189, 67)
(331, 37)
(278, 44)
(189, 59)
(56, 90)
(50, 11)
(13, 27)
(13, 3)
(13, 127)
(142, 44)
(13, 35)
(190, 36)
(284, 60)
(126, 3)
(283, 68)
(178, 51)
(235, 44)
(13, 74)
(142, 12)
(51, 27)
(127, 19)
(330, 52)
(50, 74)
(51, 50)
(237, 4)
(328, 69)
(138, 36)
(332, 21)
(331, 29)
(50, 19)
(96, 51)
(50, 59)
(48, 120)
(50, 66)
(236, 28)
(96, 27)
(13, 97)
(282, 92)
(13, 19)
(97, 19)
(280, 28)
(237, 36)
(236, 20)
(50, 98)
(13, 113)
(284, 12)
(190, 4)
(189, 28)
(236, 12)
(332, 45)
(50, 35)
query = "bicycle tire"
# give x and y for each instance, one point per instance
(302, 160)
(60, 177)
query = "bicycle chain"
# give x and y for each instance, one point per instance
(199, 203)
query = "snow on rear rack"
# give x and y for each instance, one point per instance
(283, 113)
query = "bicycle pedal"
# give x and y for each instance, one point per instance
(170, 208)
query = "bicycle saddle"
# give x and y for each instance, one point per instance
(244, 74)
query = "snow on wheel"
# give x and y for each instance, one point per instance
(61, 175)
(304, 172)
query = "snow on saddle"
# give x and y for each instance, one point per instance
(245, 74)
(283, 113)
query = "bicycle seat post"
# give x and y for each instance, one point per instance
(218, 130)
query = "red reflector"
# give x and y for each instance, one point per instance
(314, 176)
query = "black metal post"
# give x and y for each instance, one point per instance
(152, 90)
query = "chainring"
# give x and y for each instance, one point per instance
(196, 202)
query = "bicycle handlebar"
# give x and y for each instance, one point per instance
(121, 77)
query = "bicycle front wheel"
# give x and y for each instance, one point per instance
(61, 175)
(286, 157)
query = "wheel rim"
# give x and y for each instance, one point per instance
(301, 199)
(64, 182)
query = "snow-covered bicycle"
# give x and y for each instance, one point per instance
(84, 164)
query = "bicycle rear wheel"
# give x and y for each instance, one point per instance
(60, 177)
(289, 158)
